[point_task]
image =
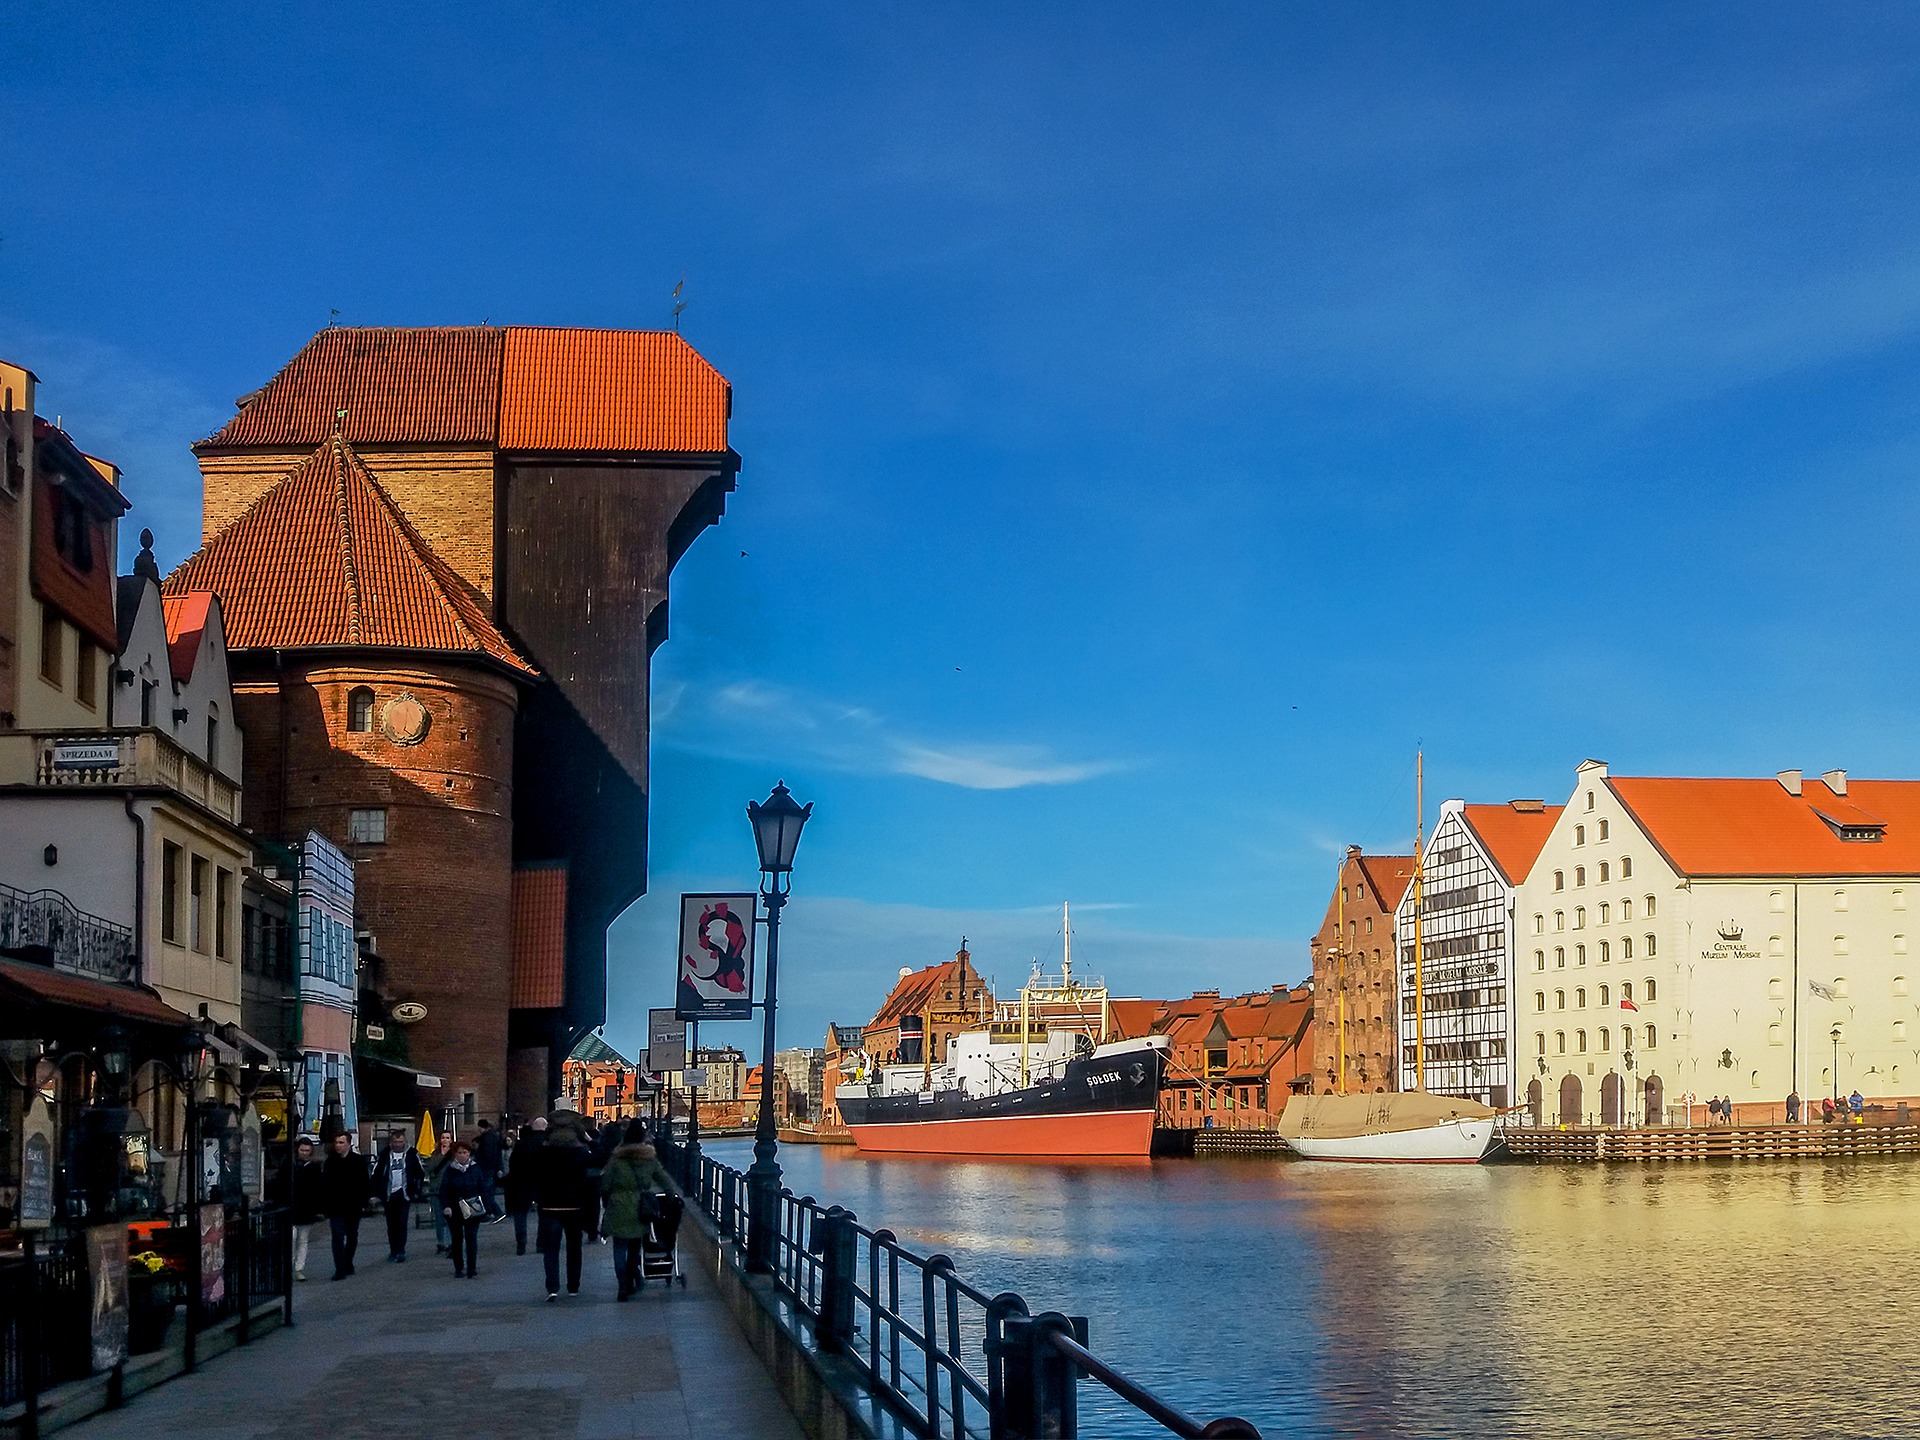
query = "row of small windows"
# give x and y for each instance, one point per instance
(1606, 952)
(1605, 911)
(1580, 832)
(1603, 1038)
(1648, 992)
(1777, 900)
(1603, 875)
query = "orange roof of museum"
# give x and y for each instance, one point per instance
(324, 560)
(1513, 833)
(1759, 827)
(517, 387)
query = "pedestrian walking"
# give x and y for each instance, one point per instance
(562, 1191)
(1793, 1107)
(519, 1184)
(488, 1150)
(632, 1179)
(345, 1185)
(400, 1180)
(298, 1187)
(464, 1206)
(436, 1164)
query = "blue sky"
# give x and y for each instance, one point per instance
(1156, 421)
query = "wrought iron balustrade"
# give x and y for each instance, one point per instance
(945, 1358)
(79, 942)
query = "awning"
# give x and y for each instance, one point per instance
(247, 1049)
(27, 989)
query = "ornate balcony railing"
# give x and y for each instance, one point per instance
(79, 942)
(114, 759)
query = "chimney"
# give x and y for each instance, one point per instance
(1836, 781)
(1528, 807)
(1789, 781)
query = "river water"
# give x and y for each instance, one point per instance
(1697, 1300)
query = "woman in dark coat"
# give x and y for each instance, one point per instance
(632, 1178)
(519, 1181)
(461, 1181)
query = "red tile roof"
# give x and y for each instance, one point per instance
(909, 995)
(187, 614)
(1389, 875)
(1512, 833)
(618, 390)
(324, 560)
(538, 925)
(1755, 827)
(517, 387)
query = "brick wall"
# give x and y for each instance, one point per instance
(436, 893)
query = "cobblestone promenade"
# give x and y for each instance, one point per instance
(405, 1350)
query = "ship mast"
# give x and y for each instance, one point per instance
(1066, 945)
(1419, 865)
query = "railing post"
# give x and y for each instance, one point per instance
(28, 1331)
(836, 1241)
(245, 1278)
(1037, 1395)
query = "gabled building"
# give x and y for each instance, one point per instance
(1747, 938)
(927, 1008)
(1234, 1060)
(448, 553)
(1355, 982)
(1461, 1008)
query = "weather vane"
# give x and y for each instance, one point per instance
(678, 303)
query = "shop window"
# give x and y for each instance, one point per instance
(53, 646)
(170, 892)
(360, 710)
(367, 827)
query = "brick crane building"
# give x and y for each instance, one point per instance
(1355, 965)
(444, 555)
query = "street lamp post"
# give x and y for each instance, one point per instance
(776, 832)
(1835, 1033)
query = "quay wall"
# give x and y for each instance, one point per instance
(1722, 1142)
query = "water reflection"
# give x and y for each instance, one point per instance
(1417, 1301)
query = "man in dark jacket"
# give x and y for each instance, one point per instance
(297, 1187)
(520, 1173)
(563, 1192)
(344, 1187)
(399, 1180)
(488, 1148)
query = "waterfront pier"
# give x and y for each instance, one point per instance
(1588, 1144)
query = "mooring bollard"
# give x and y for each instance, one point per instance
(1036, 1395)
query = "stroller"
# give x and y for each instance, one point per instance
(659, 1249)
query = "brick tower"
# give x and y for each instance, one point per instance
(445, 557)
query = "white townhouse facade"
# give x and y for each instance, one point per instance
(1465, 1017)
(1686, 938)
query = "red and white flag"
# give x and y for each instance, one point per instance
(1628, 1005)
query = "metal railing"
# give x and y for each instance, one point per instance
(46, 1336)
(115, 759)
(76, 940)
(945, 1358)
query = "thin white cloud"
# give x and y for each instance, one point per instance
(751, 719)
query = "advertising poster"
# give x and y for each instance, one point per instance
(107, 1270)
(716, 957)
(213, 1253)
(666, 1042)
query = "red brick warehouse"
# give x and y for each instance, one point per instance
(444, 557)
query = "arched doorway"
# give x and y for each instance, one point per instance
(1612, 1093)
(1536, 1102)
(1656, 1101)
(1570, 1100)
